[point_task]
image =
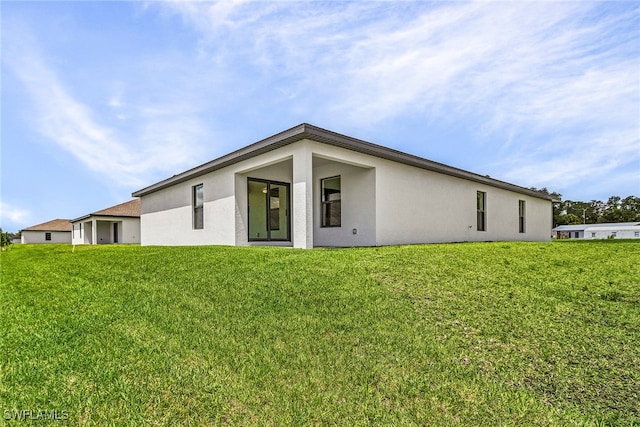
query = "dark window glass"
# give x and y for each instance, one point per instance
(198, 207)
(521, 215)
(47, 236)
(331, 202)
(482, 205)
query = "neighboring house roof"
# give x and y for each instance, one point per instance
(307, 131)
(127, 209)
(603, 226)
(53, 225)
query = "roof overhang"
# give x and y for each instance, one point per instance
(310, 132)
(82, 218)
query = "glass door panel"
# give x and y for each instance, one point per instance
(268, 210)
(257, 209)
(278, 211)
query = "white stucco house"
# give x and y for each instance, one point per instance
(619, 230)
(54, 231)
(307, 187)
(116, 224)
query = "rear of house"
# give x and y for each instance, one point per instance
(54, 231)
(308, 187)
(115, 224)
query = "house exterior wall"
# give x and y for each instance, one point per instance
(167, 215)
(358, 205)
(386, 202)
(414, 205)
(423, 206)
(40, 237)
(612, 232)
(128, 230)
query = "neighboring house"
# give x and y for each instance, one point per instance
(55, 231)
(308, 186)
(117, 224)
(619, 230)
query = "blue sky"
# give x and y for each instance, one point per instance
(100, 99)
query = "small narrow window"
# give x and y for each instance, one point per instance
(47, 236)
(593, 235)
(636, 234)
(331, 202)
(521, 215)
(198, 207)
(481, 208)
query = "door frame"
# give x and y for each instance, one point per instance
(268, 183)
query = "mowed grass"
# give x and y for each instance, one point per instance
(457, 334)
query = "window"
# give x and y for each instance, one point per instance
(576, 234)
(482, 206)
(593, 235)
(521, 215)
(636, 234)
(331, 202)
(80, 227)
(47, 236)
(198, 207)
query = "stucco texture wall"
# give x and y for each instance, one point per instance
(40, 237)
(386, 202)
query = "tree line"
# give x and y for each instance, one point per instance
(615, 209)
(6, 239)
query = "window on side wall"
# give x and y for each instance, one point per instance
(198, 207)
(521, 215)
(331, 202)
(47, 236)
(481, 211)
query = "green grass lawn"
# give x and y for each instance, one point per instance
(457, 334)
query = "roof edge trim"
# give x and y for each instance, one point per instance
(307, 131)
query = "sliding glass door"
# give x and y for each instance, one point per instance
(268, 210)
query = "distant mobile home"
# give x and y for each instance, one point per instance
(307, 187)
(54, 231)
(619, 230)
(116, 224)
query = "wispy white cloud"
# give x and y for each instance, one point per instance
(158, 140)
(553, 87)
(13, 214)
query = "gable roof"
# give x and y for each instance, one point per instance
(53, 225)
(314, 133)
(126, 209)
